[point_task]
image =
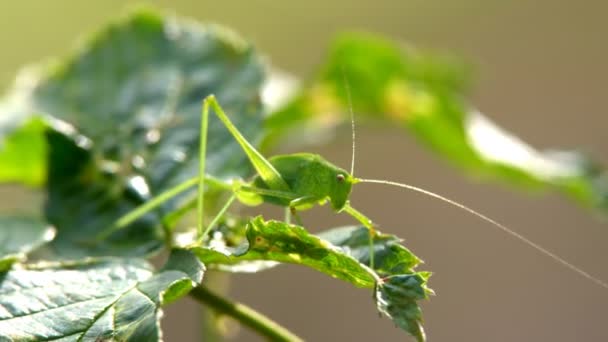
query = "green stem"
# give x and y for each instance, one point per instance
(245, 315)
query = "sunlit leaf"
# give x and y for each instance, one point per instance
(19, 236)
(92, 300)
(427, 96)
(281, 242)
(397, 286)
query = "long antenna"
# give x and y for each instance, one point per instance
(502, 227)
(352, 121)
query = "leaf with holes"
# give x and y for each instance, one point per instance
(390, 256)
(93, 300)
(398, 288)
(281, 242)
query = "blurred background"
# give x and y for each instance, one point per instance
(540, 72)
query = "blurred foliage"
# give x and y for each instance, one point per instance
(22, 152)
(20, 235)
(426, 95)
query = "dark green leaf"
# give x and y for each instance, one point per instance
(146, 77)
(397, 298)
(426, 95)
(131, 97)
(19, 236)
(82, 201)
(93, 300)
(401, 288)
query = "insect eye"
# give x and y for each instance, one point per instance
(340, 177)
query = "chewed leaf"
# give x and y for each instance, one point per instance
(397, 298)
(427, 96)
(96, 300)
(19, 236)
(281, 242)
(342, 253)
(390, 257)
(401, 288)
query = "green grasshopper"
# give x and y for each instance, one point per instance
(297, 182)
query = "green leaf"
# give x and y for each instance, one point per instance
(22, 152)
(19, 236)
(92, 300)
(397, 286)
(427, 96)
(397, 298)
(401, 288)
(281, 242)
(390, 257)
(146, 77)
(130, 100)
(82, 201)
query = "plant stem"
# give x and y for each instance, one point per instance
(245, 315)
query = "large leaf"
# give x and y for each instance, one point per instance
(95, 300)
(397, 286)
(83, 201)
(19, 236)
(426, 95)
(130, 99)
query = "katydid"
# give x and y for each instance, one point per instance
(297, 182)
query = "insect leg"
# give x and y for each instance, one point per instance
(300, 202)
(267, 172)
(287, 216)
(217, 217)
(368, 224)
